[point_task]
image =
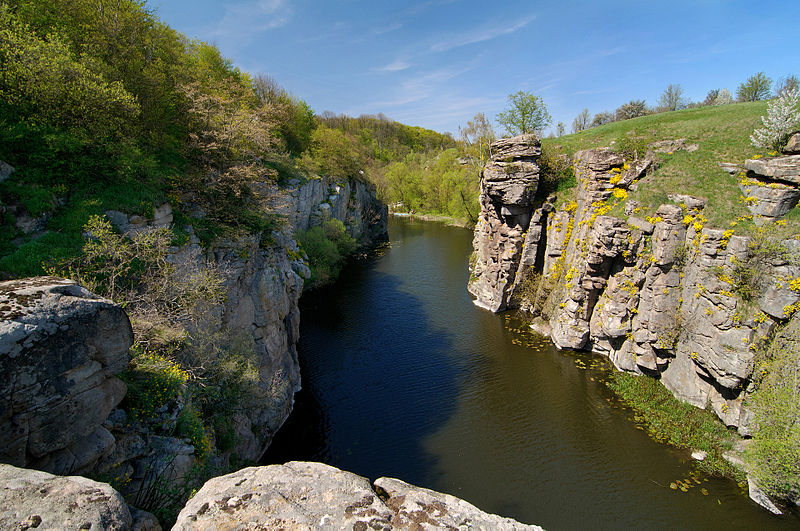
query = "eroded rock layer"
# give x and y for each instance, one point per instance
(655, 295)
(508, 187)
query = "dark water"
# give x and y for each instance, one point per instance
(403, 376)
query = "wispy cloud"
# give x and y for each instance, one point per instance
(244, 20)
(424, 86)
(395, 66)
(481, 35)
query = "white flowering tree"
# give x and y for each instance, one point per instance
(783, 118)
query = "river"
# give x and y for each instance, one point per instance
(404, 377)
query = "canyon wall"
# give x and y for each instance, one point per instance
(62, 347)
(654, 295)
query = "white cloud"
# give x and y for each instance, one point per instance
(244, 20)
(395, 66)
(480, 35)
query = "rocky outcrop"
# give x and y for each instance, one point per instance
(130, 224)
(353, 202)
(61, 348)
(655, 295)
(770, 186)
(301, 495)
(508, 187)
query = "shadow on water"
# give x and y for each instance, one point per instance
(378, 370)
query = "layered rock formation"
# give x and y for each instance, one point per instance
(508, 186)
(655, 295)
(353, 202)
(61, 348)
(301, 495)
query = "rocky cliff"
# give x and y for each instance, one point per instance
(61, 347)
(655, 295)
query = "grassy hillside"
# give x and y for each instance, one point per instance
(722, 134)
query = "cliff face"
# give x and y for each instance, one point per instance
(61, 347)
(655, 295)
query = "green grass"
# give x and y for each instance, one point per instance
(722, 134)
(671, 421)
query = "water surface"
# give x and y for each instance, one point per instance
(404, 377)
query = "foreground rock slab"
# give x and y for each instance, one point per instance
(304, 495)
(32, 499)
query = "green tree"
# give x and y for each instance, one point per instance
(334, 153)
(757, 87)
(526, 114)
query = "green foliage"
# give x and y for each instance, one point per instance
(772, 455)
(527, 113)
(632, 145)
(189, 425)
(755, 88)
(328, 246)
(674, 422)
(632, 109)
(434, 184)
(153, 381)
(556, 173)
(334, 153)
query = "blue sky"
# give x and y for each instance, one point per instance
(435, 63)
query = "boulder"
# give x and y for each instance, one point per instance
(33, 499)
(5, 170)
(303, 495)
(61, 348)
(792, 146)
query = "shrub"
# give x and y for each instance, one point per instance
(772, 456)
(723, 98)
(327, 246)
(782, 119)
(757, 87)
(555, 172)
(632, 109)
(153, 381)
(632, 145)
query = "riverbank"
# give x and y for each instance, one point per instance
(439, 218)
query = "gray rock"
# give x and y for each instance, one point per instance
(733, 169)
(33, 499)
(60, 349)
(5, 170)
(792, 146)
(786, 168)
(301, 495)
(508, 187)
(758, 495)
(691, 202)
(669, 146)
(772, 200)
